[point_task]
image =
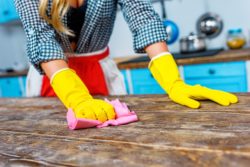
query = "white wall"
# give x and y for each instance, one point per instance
(235, 14)
(12, 47)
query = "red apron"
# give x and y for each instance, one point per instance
(88, 69)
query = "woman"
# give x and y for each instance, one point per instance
(67, 41)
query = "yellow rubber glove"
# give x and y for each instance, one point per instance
(165, 71)
(74, 94)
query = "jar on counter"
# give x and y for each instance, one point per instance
(235, 39)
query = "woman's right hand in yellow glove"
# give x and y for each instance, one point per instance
(95, 109)
(75, 95)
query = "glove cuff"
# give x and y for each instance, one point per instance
(165, 70)
(158, 56)
(69, 88)
(57, 72)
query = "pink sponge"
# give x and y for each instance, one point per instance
(123, 116)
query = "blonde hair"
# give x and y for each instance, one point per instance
(58, 9)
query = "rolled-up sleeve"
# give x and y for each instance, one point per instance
(42, 45)
(144, 23)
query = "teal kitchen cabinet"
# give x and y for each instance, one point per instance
(124, 73)
(144, 83)
(12, 86)
(229, 76)
(141, 81)
(7, 11)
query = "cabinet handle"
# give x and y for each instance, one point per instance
(6, 12)
(211, 71)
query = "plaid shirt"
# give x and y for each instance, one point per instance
(45, 44)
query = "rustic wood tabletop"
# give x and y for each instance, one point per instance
(33, 132)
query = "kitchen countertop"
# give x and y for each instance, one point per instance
(224, 56)
(14, 74)
(34, 132)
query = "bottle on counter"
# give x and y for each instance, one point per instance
(235, 39)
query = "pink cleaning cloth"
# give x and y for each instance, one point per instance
(123, 116)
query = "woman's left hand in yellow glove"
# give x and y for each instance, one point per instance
(165, 71)
(188, 95)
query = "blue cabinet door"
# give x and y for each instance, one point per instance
(124, 73)
(144, 83)
(230, 76)
(7, 11)
(13, 13)
(12, 86)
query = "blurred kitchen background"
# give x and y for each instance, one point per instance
(185, 13)
(232, 75)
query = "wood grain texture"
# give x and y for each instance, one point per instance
(224, 56)
(33, 132)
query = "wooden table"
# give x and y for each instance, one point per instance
(34, 132)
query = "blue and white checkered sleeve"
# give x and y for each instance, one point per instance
(42, 45)
(144, 23)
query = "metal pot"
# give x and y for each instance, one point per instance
(193, 43)
(210, 24)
